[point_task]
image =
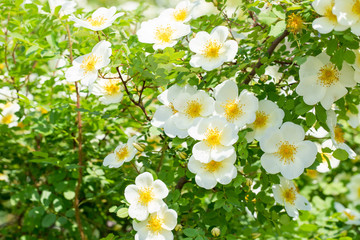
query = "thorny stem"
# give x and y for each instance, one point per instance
(80, 155)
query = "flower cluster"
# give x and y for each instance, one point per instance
(9, 108)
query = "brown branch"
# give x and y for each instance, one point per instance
(180, 184)
(270, 51)
(251, 13)
(80, 155)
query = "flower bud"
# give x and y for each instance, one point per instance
(249, 182)
(178, 227)
(215, 232)
(183, 155)
(139, 146)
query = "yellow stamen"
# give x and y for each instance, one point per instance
(193, 109)
(146, 195)
(180, 14)
(289, 195)
(164, 34)
(7, 105)
(212, 49)
(155, 224)
(213, 137)
(7, 119)
(295, 23)
(96, 22)
(329, 14)
(233, 110)
(356, 8)
(261, 120)
(328, 75)
(349, 215)
(122, 154)
(112, 87)
(212, 166)
(286, 152)
(173, 108)
(89, 62)
(339, 135)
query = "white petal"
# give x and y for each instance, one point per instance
(132, 194)
(277, 194)
(333, 94)
(201, 152)
(160, 189)
(292, 170)
(270, 162)
(162, 114)
(155, 205)
(170, 219)
(138, 211)
(292, 133)
(306, 153)
(291, 210)
(194, 165)
(323, 25)
(220, 33)
(302, 203)
(109, 159)
(144, 180)
(227, 90)
(206, 180)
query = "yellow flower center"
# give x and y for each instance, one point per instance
(286, 152)
(193, 109)
(212, 166)
(7, 119)
(112, 87)
(146, 195)
(349, 215)
(289, 195)
(164, 34)
(96, 22)
(328, 75)
(213, 137)
(155, 224)
(295, 23)
(89, 62)
(212, 49)
(329, 14)
(233, 110)
(324, 156)
(261, 119)
(339, 135)
(122, 153)
(180, 14)
(356, 8)
(7, 105)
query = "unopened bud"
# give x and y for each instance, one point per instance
(264, 78)
(139, 146)
(215, 232)
(178, 227)
(249, 182)
(183, 155)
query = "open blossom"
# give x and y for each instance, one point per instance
(99, 20)
(123, 153)
(67, 7)
(237, 109)
(348, 14)
(162, 33)
(287, 194)
(321, 81)
(354, 189)
(109, 90)
(324, 166)
(181, 13)
(213, 172)
(201, 8)
(212, 50)
(328, 20)
(286, 151)
(85, 68)
(352, 216)
(337, 134)
(268, 115)
(157, 226)
(217, 137)
(145, 196)
(164, 115)
(191, 105)
(7, 115)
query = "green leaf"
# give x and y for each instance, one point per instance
(349, 57)
(69, 194)
(340, 154)
(48, 220)
(308, 227)
(122, 213)
(277, 29)
(189, 232)
(310, 119)
(267, 18)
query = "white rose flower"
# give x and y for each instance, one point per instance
(162, 33)
(237, 109)
(7, 115)
(217, 137)
(7, 94)
(99, 20)
(353, 216)
(146, 196)
(348, 14)
(157, 226)
(201, 8)
(268, 115)
(164, 115)
(67, 7)
(212, 50)
(213, 172)
(286, 151)
(286, 194)
(123, 153)
(337, 134)
(181, 13)
(321, 81)
(109, 90)
(324, 166)
(328, 21)
(191, 105)
(85, 68)
(354, 188)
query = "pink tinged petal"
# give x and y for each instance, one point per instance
(323, 25)
(201, 152)
(292, 170)
(347, 78)
(306, 153)
(277, 194)
(206, 180)
(162, 114)
(221, 152)
(333, 94)
(155, 205)
(292, 132)
(144, 180)
(302, 203)
(132, 194)
(220, 33)
(194, 165)
(269, 142)
(170, 219)
(231, 48)
(270, 162)
(291, 210)
(197, 44)
(160, 189)
(109, 159)
(138, 211)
